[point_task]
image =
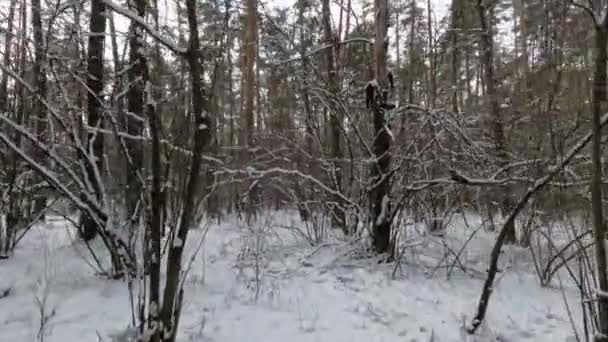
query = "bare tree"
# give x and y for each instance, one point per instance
(496, 121)
(135, 106)
(337, 210)
(95, 73)
(455, 20)
(7, 55)
(599, 99)
(39, 71)
(173, 294)
(380, 188)
(248, 91)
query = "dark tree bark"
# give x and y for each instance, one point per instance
(413, 53)
(135, 107)
(309, 124)
(599, 226)
(141, 103)
(232, 111)
(455, 55)
(496, 120)
(172, 295)
(432, 91)
(118, 102)
(380, 192)
(7, 239)
(308, 165)
(39, 71)
(97, 28)
(337, 209)
(249, 93)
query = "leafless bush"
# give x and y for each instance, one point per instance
(314, 230)
(41, 297)
(554, 244)
(252, 259)
(19, 205)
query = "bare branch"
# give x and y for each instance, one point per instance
(587, 10)
(321, 49)
(538, 185)
(142, 23)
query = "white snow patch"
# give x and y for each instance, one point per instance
(149, 95)
(177, 242)
(331, 292)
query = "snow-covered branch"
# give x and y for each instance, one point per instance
(142, 23)
(321, 49)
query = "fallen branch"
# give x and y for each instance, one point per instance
(521, 204)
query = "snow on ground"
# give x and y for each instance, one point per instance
(332, 292)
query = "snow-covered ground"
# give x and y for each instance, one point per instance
(332, 292)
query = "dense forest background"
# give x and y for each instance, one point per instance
(139, 120)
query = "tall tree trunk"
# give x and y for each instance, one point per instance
(97, 28)
(135, 107)
(432, 91)
(173, 295)
(455, 56)
(13, 210)
(305, 96)
(468, 77)
(118, 102)
(8, 41)
(39, 71)
(141, 104)
(599, 226)
(249, 92)
(495, 121)
(343, 58)
(523, 67)
(259, 118)
(232, 112)
(337, 207)
(380, 192)
(412, 52)
(398, 50)
(307, 165)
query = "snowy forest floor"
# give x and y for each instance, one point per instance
(335, 291)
